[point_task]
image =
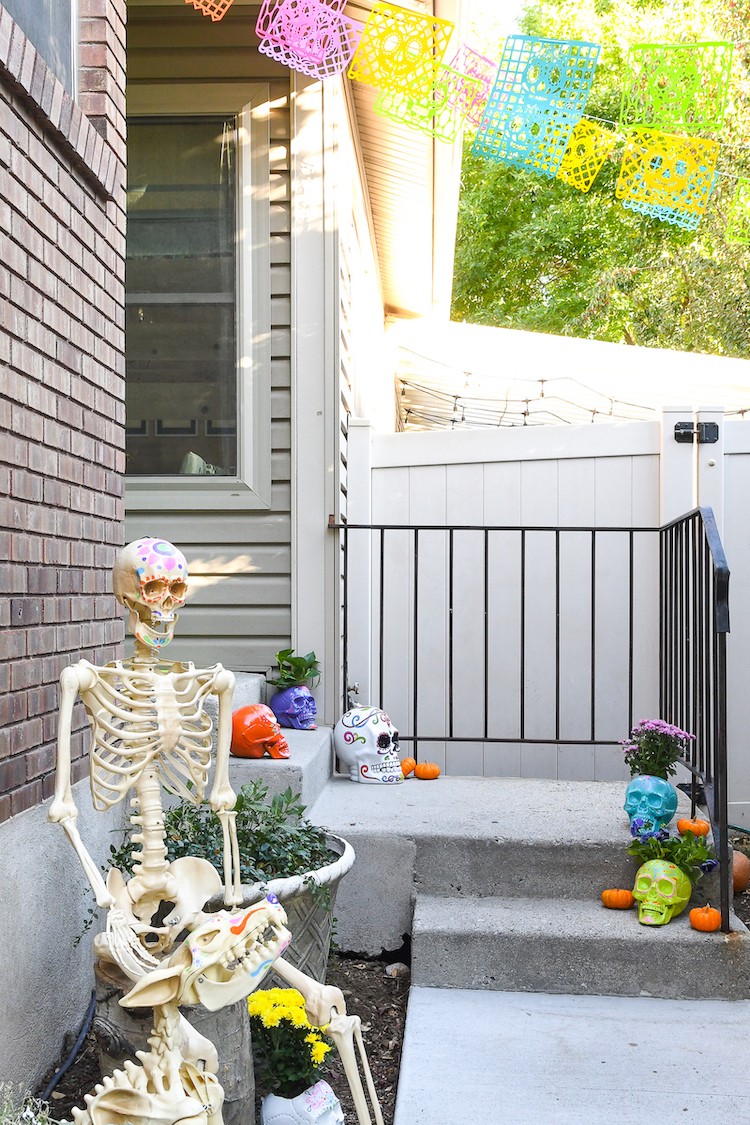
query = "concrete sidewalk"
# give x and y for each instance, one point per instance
(502, 1058)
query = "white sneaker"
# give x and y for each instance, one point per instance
(317, 1104)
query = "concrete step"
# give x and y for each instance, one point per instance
(502, 837)
(572, 946)
(306, 770)
(496, 1058)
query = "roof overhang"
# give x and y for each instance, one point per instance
(412, 182)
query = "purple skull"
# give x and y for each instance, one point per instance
(294, 707)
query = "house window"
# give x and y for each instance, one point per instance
(182, 297)
(49, 24)
(198, 297)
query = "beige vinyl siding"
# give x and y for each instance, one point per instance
(240, 562)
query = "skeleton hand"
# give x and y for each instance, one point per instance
(125, 948)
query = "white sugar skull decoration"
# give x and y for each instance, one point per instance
(366, 743)
(150, 579)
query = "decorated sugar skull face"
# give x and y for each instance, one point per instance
(661, 890)
(295, 707)
(367, 743)
(652, 800)
(255, 732)
(150, 579)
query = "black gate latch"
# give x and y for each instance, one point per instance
(706, 432)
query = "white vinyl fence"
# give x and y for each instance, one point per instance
(556, 624)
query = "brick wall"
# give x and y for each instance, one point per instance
(62, 225)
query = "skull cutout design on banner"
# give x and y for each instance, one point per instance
(366, 742)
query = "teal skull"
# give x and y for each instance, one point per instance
(661, 890)
(652, 799)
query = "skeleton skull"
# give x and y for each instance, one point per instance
(367, 742)
(294, 707)
(256, 732)
(317, 1105)
(652, 799)
(150, 579)
(661, 890)
(221, 961)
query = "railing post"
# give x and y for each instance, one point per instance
(360, 577)
(676, 466)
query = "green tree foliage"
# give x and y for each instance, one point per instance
(536, 254)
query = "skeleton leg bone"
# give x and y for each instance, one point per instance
(345, 1031)
(326, 1007)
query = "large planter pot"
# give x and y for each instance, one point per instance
(309, 922)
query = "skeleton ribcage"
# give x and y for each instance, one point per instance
(144, 719)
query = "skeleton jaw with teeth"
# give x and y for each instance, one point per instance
(225, 959)
(150, 579)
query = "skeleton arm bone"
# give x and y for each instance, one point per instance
(321, 1000)
(74, 681)
(223, 797)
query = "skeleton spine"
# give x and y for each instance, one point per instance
(150, 863)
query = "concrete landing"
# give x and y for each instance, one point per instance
(497, 1058)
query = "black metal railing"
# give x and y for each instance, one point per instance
(596, 626)
(694, 599)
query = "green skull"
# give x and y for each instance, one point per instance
(661, 890)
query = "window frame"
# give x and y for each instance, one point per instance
(251, 488)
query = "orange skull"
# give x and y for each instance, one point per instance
(255, 732)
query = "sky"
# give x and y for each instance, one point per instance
(490, 21)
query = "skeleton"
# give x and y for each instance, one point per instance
(221, 961)
(149, 729)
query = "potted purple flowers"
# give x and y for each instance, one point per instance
(654, 748)
(651, 754)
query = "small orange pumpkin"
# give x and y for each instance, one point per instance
(697, 827)
(616, 898)
(740, 872)
(705, 918)
(427, 771)
(407, 766)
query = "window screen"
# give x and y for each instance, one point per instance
(181, 297)
(49, 25)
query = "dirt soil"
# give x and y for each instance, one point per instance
(377, 998)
